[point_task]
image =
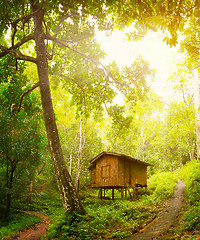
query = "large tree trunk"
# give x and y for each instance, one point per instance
(66, 187)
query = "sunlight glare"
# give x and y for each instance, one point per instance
(160, 56)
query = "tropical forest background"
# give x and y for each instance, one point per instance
(94, 105)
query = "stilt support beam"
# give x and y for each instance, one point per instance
(113, 194)
(100, 194)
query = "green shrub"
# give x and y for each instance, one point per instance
(110, 219)
(115, 219)
(190, 173)
(192, 219)
(119, 235)
(161, 186)
(73, 226)
(16, 222)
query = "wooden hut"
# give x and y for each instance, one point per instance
(114, 170)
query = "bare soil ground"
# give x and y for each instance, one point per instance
(36, 231)
(165, 219)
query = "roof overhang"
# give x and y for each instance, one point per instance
(119, 155)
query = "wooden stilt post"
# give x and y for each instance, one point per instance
(113, 194)
(129, 192)
(122, 192)
(135, 192)
(100, 193)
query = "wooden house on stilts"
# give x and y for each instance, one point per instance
(115, 171)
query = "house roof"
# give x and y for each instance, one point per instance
(117, 155)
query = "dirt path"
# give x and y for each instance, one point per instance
(36, 231)
(165, 218)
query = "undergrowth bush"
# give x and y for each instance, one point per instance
(16, 222)
(190, 173)
(115, 218)
(161, 185)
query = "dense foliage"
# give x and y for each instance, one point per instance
(20, 143)
(191, 217)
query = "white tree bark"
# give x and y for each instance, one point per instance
(80, 151)
(197, 108)
(70, 161)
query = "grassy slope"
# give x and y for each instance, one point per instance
(188, 226)
(16, 222)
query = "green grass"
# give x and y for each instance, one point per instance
(191, 214)
(49, 202)
(111, 219)
(16, 222)
(105, 219)
(188, 224)
(115, 218)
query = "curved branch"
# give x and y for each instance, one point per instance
(14, 107)
(105, 105)
(25, 18)
(61, 75)
(96, 62)
(6, 50)
(17, 54)
(57, 31)
(60, 22)
(183, 94)
(105, 69)
(21, 56)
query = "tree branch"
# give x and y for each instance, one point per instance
(183, 94)
(13, 35)
(15, 108)
(10, 50)
(61, 75)
(96, 62)
(105, 69)
(60, 22)
(21, 56)
(25, 18)
(57, 31)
